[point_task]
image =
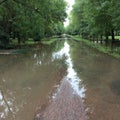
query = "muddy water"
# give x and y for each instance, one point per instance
(67, 101)
(100, 74)
(27, 81)
(88, 80)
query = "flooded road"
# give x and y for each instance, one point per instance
(66, 72)
(100, 75)
(27, 81)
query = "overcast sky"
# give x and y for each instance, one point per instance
(70, 3)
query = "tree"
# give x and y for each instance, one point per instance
(95, 18)
(31, 19)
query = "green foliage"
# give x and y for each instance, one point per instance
(31, 19)
(95, 18)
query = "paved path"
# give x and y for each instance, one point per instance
(65, 106)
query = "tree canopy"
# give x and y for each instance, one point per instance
(30, 19)
(94, 18)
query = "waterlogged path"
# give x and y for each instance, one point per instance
(67, 105)
(65, 81)
(67, 101)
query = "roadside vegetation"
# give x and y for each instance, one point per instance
(30, 21)
(113, 51)
(97, 22)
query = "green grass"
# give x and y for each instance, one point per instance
(32, 42)
(117, 37)
(29, 42)
(48, 41)
(99, 47)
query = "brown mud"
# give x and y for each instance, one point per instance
(66, 105)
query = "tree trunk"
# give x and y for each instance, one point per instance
(106, 40)
(101, 39)
(97, 39)
(113, 36)
(19, 41)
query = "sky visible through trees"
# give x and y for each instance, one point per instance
(29, 19)
(95, 19)
(69, 8)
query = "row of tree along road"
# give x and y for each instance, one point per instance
(30, 19)
(96, 20)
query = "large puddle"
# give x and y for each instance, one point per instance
(100, 75)
(71, 76)
(27, 81)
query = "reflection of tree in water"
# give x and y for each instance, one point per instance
(44, 54)
(20, 80)
(8, 103)
(115, 86)
(5, 104)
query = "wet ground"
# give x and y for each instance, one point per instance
(65, 81)
(66, 105)
(100, 75)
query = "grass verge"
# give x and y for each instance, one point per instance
(115, 52)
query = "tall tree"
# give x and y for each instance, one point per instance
(30, 19)
(94, 18)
